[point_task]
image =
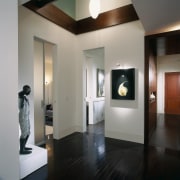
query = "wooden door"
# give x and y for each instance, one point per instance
(172, 93)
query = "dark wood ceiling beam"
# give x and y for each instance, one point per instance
(107, 19)
(41, 3)
(55, 15)
(114, 17)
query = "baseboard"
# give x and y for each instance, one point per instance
(125, 136)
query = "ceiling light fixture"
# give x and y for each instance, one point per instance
(94, 8)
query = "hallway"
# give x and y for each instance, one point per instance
(90, 156)
(167, 132)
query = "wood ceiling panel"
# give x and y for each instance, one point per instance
(107, 19)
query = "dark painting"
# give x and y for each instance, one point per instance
(123, 84)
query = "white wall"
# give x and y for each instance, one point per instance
(123, 44)
(31, 25)
(9, 142)
(98, 110)
(82, 6)
(168, 63)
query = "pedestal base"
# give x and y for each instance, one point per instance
(31, 162)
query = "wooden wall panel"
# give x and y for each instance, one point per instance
(150, 113)
(152, 89)
(173, 45)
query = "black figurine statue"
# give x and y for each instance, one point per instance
(24, 121)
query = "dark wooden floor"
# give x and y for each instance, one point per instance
(90, 156)
(167, 134)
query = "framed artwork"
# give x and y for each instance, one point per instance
(123, 84)
(100, 83)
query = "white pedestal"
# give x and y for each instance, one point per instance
(31, 162)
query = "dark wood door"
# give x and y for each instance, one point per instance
(172, 93)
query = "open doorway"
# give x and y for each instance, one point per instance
(43, 88)
(48, 89)
(162, 56)
(95, 89)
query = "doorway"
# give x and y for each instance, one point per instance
(94, 87)
(48, 88)
(43, 90)
(155, 118)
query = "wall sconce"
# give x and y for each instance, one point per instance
(94, 8)
(118, 64)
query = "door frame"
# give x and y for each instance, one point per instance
(85, 85)
(54, 52)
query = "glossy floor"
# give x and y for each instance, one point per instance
(167, 133)
(90, 156)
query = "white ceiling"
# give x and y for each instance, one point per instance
(158, 15)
